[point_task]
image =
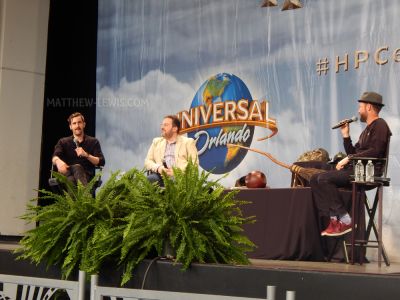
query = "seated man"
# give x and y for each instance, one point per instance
(170, 150)
(76, 156)
(372, 142)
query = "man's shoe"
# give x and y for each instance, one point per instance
(331, 227)
(339, 229)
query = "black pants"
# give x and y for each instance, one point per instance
(325, 191)
(155, 177)
(77, 172)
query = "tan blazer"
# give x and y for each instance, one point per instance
(185, 149)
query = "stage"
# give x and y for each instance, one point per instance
(310, 280)
(308, 266)
(289, 256)
(329, 267)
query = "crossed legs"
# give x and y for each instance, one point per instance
(328, 201)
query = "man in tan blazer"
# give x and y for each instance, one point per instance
(170, 150)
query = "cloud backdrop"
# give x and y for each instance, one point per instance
(153, 55)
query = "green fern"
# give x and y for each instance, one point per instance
(195, 215)
(70, 225)
(131, 218)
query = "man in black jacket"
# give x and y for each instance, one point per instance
(77, 156)
(372, 142)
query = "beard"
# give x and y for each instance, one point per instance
(166, 134)
(78, 132)
(363, 118)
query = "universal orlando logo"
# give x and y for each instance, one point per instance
(223, 112)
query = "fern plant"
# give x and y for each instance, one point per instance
(130, 218)
(196, 216)
(205, 222)
(135, 233)
(70, 225)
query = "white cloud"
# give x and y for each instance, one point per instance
(129, 117)
(274, 53)
(215, 41)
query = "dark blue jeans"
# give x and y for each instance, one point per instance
(325, 191)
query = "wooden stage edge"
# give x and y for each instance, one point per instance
(332, 267)
(370, 268)
(310, 280)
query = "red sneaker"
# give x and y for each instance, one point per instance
(339, 229)
(330, 228)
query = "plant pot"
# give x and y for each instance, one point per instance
(168, 251)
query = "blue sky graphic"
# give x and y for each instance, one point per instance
(153, 55)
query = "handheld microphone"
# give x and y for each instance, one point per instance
(345, 121)
(164, 164)
(76, 142)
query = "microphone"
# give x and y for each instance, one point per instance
(345, 121)
(76, 142)
(164, 164)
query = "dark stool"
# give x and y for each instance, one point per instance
(377, 205)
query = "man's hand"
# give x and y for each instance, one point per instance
(62, 167)
(345, 129)
(81, 153)
(340, 165)
(168, 171)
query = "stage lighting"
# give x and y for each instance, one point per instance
(291, 4)
(268, 3)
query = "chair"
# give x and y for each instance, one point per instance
(377, 204)
(56, 186)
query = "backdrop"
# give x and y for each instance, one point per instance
(310, 64)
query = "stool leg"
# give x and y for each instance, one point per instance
(346, 255)
(374, 226)
(353, 210)
(380, 207)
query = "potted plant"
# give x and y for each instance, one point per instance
(70, 224)
(130, 218)
(192, 214)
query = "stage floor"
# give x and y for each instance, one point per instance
(307, 266)
(8, 245)
(310, 280)
(334, 267)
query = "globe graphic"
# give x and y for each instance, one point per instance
(219, 159)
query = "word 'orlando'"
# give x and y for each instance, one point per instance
(228, 113)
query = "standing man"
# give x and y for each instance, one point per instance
(373, 142)
(170, 150)
(77, 156)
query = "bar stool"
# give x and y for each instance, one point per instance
(361, 187)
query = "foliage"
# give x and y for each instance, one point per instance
(136, 235)
(70, 224)
(204, 221)
(194, 215)
(131, 218)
